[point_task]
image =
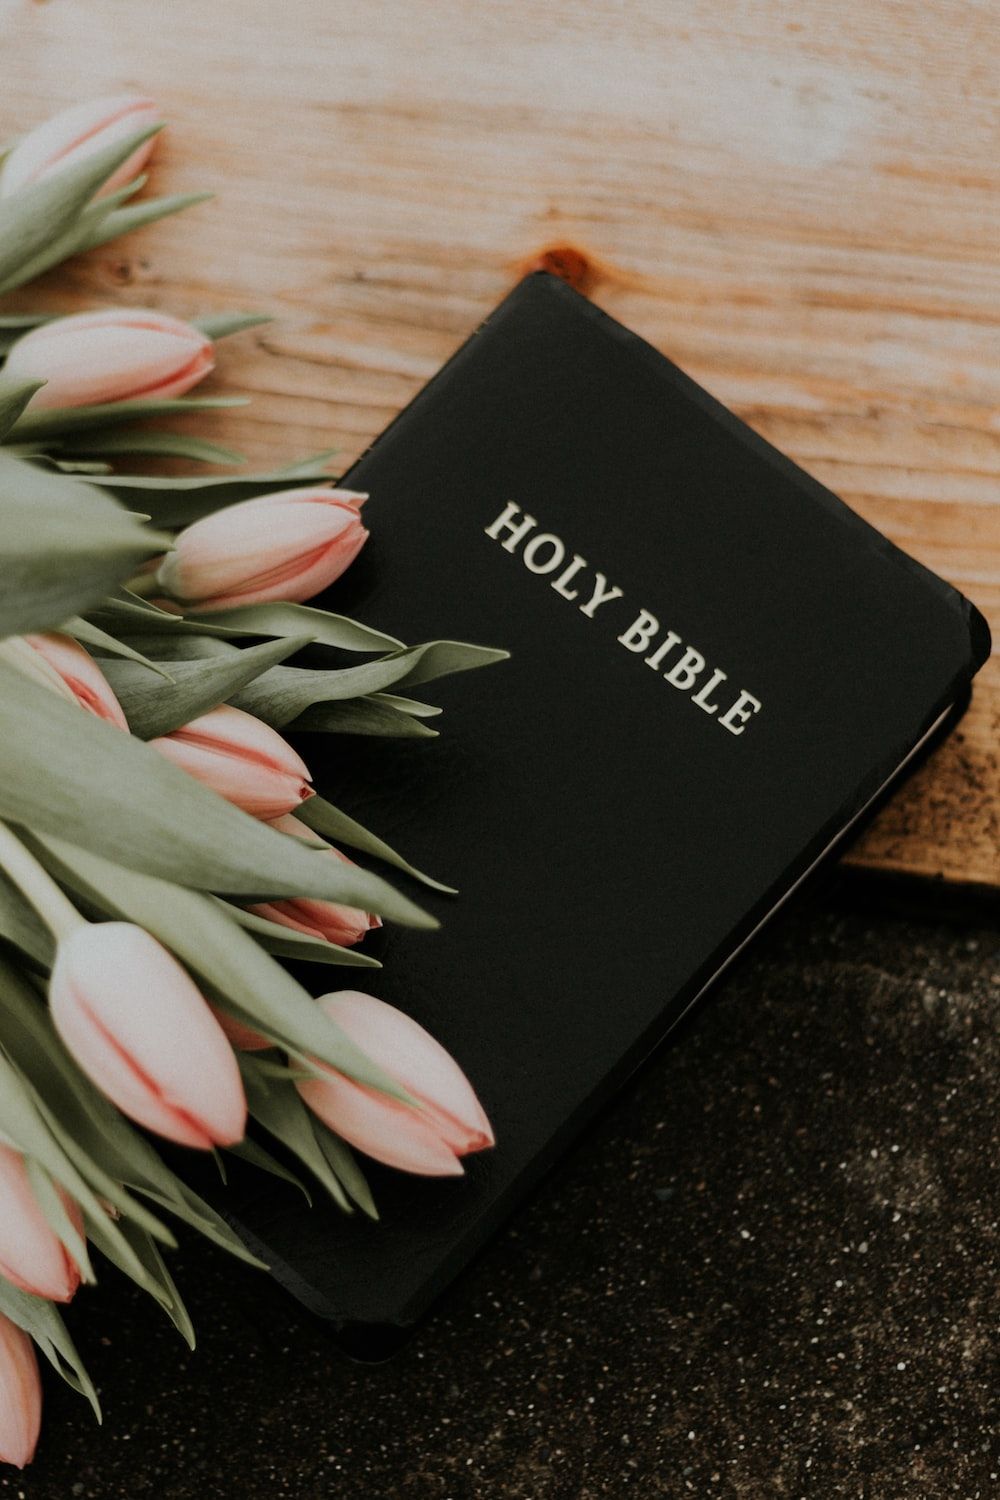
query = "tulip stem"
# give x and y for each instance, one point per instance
(56, 910)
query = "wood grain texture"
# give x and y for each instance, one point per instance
(798, 204)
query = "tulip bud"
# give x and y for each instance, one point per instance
(242, 759)
(20, 1395)
(77, 670)
(121, 354)
(345, 925)
(32, 1256)
(289, 545)
(138, 1026)
(77, 132)
(448, 1121)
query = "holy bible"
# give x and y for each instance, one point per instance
(716, 668)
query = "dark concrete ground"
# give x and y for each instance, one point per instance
(771, 1270)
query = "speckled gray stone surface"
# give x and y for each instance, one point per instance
(770, 1270)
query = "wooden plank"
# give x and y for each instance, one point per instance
(799, 205)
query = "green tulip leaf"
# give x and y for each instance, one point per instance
(365, 716)
(105, 1231)
(222, 325)
(100, 643)
(284, 693)
(78, 233)
(182, 646)
(177, 502)
(341, 1158)
(123, 194)
(63, 546)
(128, 596)
(196, 686)
(256, 1155)
(159, 444)
(85, 468)
(325, 628)
(129, 616)
(14, 397)
(41, 1320)
(57, 421)
(408, 705)
(21, 925)
(277, 1107)
(110, 1237)
(174, 827)
(442, 658)
(325, 819)
(202, 1216)
(158, 1280)
(99, 222)
(362, 716)
(59, 1221)
(315, 466)
(134, 216)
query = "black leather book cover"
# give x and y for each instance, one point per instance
(715, 665)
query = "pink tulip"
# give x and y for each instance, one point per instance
(141, 1030)
(32, 1256)
(345, 925)
(79, 131)
(289, 545)
(81, 674)
(20, 1395)
(121, 354)
(449, 1121)
(245, 761)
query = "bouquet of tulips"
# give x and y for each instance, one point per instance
(161, 844)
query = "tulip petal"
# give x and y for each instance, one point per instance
(258, 549)
(448, 1120)
(412, 1056)
(111, 355)
(32, 1256)
(241, 758)
(81, 674)
(310, 576)
(109, 1066)
(303, 580)
(137, 1024)
(20, 1395)
(326, 920)
(231, 731)
(331, 923)
(383, 1128)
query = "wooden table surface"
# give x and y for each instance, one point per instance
(796, 203)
